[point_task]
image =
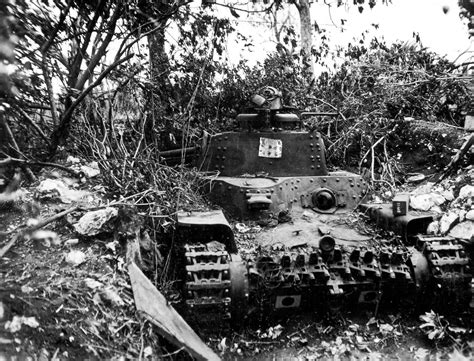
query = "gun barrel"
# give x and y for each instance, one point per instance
(178, 152)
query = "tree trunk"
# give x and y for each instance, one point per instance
(160, 91)
(306, 28)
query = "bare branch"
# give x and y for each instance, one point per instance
(33, 124)
(100, 52)
(79, 99)
(45, 47)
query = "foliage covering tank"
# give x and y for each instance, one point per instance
(272, 169)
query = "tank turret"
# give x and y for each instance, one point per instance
(273, 164)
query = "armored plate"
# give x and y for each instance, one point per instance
(235, 195)
(306, 229)
(280, 154)
(204, 227)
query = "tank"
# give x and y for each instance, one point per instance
(272, 170)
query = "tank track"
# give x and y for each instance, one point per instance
(208, 282)
(216, 287)
(310, 277)
(450, 270)
(219, 285)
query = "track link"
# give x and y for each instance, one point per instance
(450, 270)
(208, 283)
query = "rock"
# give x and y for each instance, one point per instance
(421, 202)
(56, 189)
(92, 283)
(436, 209)
(424, 202)
(466, 192)
(90, 170)
(72, 160)
(424, 189)
(448, 194)
(447, 221)
(44, 355)
(470, 215)
(464, 230)
(416, 178)
(241, 228)
(146, 243)
(75, 258)
(46, 238)
(95, 222)
(462, 215)
(15, 324)
(3, 311)
(112, 246)
(27, 289)
(71, 242)
(438, 199)
(110, 295)
(433, 228)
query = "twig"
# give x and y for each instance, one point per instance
(14, 144)
(172, 353)
(329, 105)
(39, 225)
(9, 160)
(33, 124)
(109, 349)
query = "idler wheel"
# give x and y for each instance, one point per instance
(324, 200)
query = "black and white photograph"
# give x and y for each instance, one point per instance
(283, 180)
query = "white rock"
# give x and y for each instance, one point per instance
(438, 199)
(470, 215)
(466, 191)
(72, 160)
(421, 202)
(46, 237)
(111, 295)
(433, 228)
(448, 194)
(436, 209)
(464, 230)
(92, 283)
(2, 311)
(90, 170)
(416, 178)
(75, 258)
(462, 215)
(242, 228)
(27, 289)
(447, 221)
(15, 324)
(93, 223)
(71, 242)
(424, 189)
(56, 189)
